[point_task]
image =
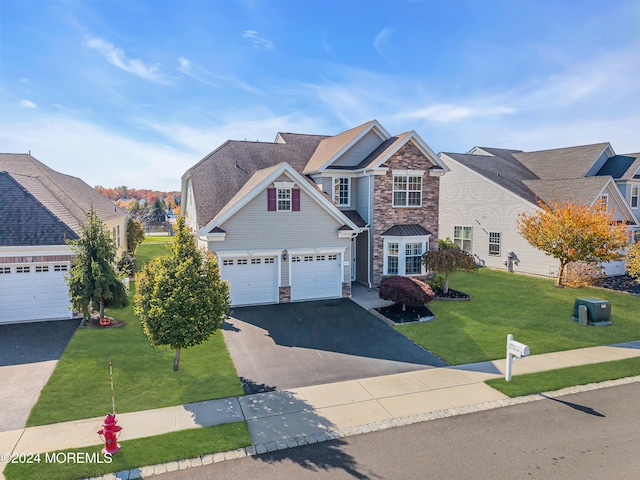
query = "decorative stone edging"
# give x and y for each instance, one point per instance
(332, 434)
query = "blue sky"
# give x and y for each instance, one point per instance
(135, 92)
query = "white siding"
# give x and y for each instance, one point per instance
(360, 150)
(190, 208)
(468, 199)
(255, 228)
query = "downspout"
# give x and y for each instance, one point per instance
(369, 283)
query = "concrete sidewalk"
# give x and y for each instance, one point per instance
(283, 419)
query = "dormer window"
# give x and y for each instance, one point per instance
(341, 191)
(407, 190)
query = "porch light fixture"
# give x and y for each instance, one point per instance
(284, 255)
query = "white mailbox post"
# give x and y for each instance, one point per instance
(514, 350)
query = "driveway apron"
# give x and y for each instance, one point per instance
(28, 354)
(310, 343)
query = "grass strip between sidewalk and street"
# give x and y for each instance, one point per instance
(137, 453)
(551, 380)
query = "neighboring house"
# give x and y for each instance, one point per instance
(487, 188)
(42, 208)
(304, 216)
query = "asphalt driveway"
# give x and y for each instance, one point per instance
(311, 343)
(28, 354)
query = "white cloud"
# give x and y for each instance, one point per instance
(188, 68)
(252, 37)
(381, 40)
(447, 113)
(27, 104)
(116, 56)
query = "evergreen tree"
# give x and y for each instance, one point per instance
(93, 280)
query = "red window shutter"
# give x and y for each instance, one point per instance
(271, 199)
(295, 199)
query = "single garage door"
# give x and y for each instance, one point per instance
(34, 292)
(315, 276)
(252, 280)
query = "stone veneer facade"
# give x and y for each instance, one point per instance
(409, 157)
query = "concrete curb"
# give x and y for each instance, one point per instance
(333, 434)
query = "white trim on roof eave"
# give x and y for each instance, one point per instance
(373, 124)
(598, 156)
(513, 194)
(302, 183)
(422, 146)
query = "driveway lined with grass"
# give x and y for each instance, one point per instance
(531, 308)
(142, 374)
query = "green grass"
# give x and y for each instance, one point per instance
(531, 308)
(137, 453)
(148, 251)
(143, 376)
(158, 238)
(566, 377)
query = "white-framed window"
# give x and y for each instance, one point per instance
(462, 237)
(42, 268)
(635, 193)
(403, 255)
(341, 191)
(392, 258)
(5, 270)
(60, 268)
(308, 258)
(283, 199)
(242, 261)
(269, 260)
(333, 257)
(23, 269)
(494, 244)
(320, 258)
(256, 261)
(413, 258)
(295, 259)
(604, 200)
(227, 262)
(407, 191)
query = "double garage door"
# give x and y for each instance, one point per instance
(33, 292)
(254, 280)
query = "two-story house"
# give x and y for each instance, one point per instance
(302, 217)
(487, 188)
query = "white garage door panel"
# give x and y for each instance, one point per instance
(34, 292)
(252, 281)
(315, 276)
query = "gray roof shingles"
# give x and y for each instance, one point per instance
(25, 221)
(411, 230)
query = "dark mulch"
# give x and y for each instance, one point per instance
(411, 314)
(450, 295)
(620, 283)
(95, 323)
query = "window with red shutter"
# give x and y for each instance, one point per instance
(295, 199)
(271, 199)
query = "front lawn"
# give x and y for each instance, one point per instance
(134, 453)
(142, 374)
(531, 308)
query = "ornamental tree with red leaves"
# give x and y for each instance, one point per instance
(405, 290)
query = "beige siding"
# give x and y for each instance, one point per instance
(190, 209)
(119, 225)
(468, 199)
(255, 228)
(359, 151)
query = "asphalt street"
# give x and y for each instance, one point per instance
(589, 435)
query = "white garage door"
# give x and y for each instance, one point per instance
(252, 280)
(34, 292)
(315, 277)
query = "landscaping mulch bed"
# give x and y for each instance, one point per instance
(450, 295)
(95, 323)
(620, 283)
(410, 315)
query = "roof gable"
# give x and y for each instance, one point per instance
(28, 222)
(261, 180)
(569, 162)
(332, 148)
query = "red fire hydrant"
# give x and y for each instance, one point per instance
(109, 433)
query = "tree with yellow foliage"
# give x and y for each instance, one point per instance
(574, 233)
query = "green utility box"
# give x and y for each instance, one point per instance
(598, 310)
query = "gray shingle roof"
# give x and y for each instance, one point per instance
(25, 221)
(574, 190)
(355, 217)
(219, 176)
(67, 197)
(411, 230)
(569, 162)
